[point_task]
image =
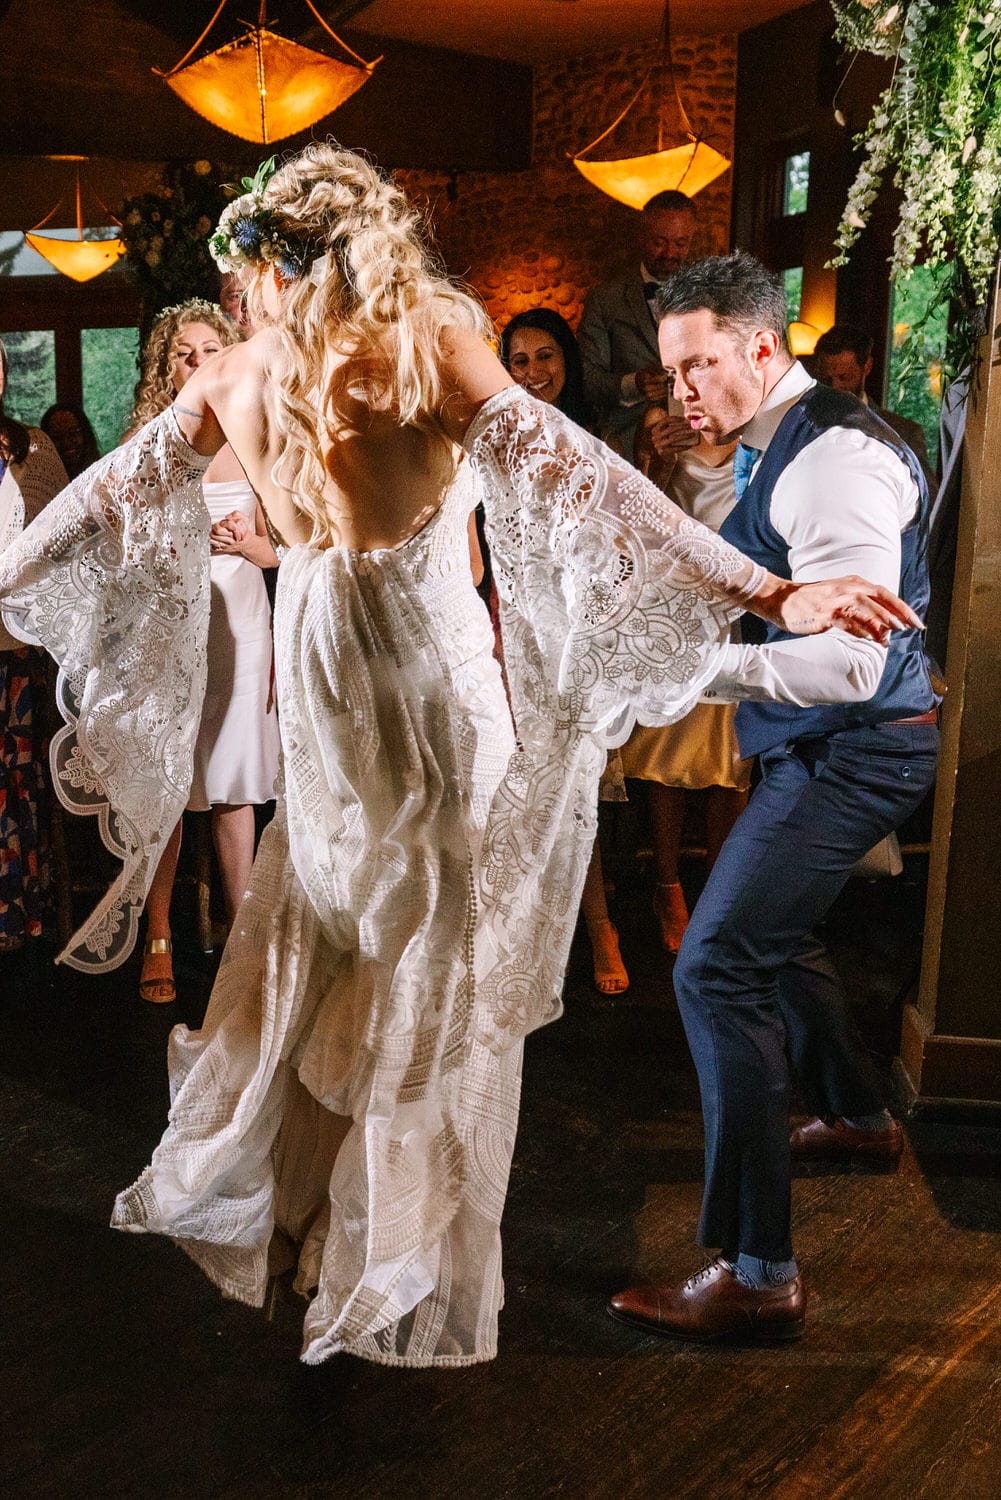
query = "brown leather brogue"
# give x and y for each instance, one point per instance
(713, 1304)
(834, 1140)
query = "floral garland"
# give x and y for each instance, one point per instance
(938, 124)
(249, 233)
(166, 236)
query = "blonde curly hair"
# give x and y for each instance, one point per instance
(155, 390)
(369, 290)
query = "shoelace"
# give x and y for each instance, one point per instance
(707, 1270)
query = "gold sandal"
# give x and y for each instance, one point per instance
(610, 977)
(158, 991)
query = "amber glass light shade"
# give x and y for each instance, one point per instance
(635, 179)
(263, 87)
(685, 168)
(81, 260)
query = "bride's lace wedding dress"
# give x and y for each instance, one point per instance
(355, 1084)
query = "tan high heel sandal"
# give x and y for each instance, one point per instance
(610, 977)
(161, 990)
(671, 912)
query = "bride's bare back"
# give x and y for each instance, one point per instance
(384, 481)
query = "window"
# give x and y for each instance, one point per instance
(110, 368)
(31, 380)
(917, 392)
(792, 280)
(69, 341)
(795, 183)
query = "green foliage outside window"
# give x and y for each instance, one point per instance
(792, 280)
(915, 380)
(31, 381)
(110, 370)
(796, 187)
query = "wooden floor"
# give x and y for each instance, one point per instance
(125, 1374)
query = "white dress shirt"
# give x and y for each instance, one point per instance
(841, 505)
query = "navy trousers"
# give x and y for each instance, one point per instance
(756, 992)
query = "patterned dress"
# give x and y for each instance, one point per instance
(24, 710)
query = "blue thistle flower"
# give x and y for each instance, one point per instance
(289, 267)
(247, 234)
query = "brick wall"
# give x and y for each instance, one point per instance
(545, 236)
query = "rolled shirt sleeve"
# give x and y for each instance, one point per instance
(841, 505)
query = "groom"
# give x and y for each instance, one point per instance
(845, 730)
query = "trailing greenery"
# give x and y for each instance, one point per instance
(915, 380)
(937, 126)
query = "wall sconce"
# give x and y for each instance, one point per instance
(263, 87)
(79, 259)
(802, 338)
(687, 167)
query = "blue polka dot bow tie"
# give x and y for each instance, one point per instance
(743, 462)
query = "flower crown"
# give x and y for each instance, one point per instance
(192, 305)
(248, 233)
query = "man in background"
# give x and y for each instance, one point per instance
(617, 335)
(843, 360)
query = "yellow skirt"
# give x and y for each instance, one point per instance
(700, 750)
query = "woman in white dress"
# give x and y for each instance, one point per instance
(353, 1093)
(236, 753)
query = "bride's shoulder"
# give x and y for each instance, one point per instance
(471, 373)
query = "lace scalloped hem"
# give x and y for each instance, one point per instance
(247, 1285)
(252, 1292)
(112, 579)
(400, 1361)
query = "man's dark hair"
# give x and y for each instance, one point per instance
(737, 289)
(669, 202)
(846, 338)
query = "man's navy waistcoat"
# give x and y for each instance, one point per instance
(905, 687)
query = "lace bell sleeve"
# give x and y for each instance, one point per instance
(112, 579)
(614, 608)
(615, 605)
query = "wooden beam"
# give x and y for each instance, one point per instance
(951, 1043)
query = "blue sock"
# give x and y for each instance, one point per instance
(881, 1120)
(751, 1270)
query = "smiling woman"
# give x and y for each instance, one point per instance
(539, 349)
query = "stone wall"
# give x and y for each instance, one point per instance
(545, 236)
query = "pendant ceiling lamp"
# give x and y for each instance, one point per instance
(77, 258)
(263, 87)
(687, 167)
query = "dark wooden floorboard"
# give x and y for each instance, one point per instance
(124, 1372)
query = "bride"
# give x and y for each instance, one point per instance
(351, 1100)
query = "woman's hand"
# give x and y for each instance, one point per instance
(851, 604)
(228, 536)
(670, 435)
